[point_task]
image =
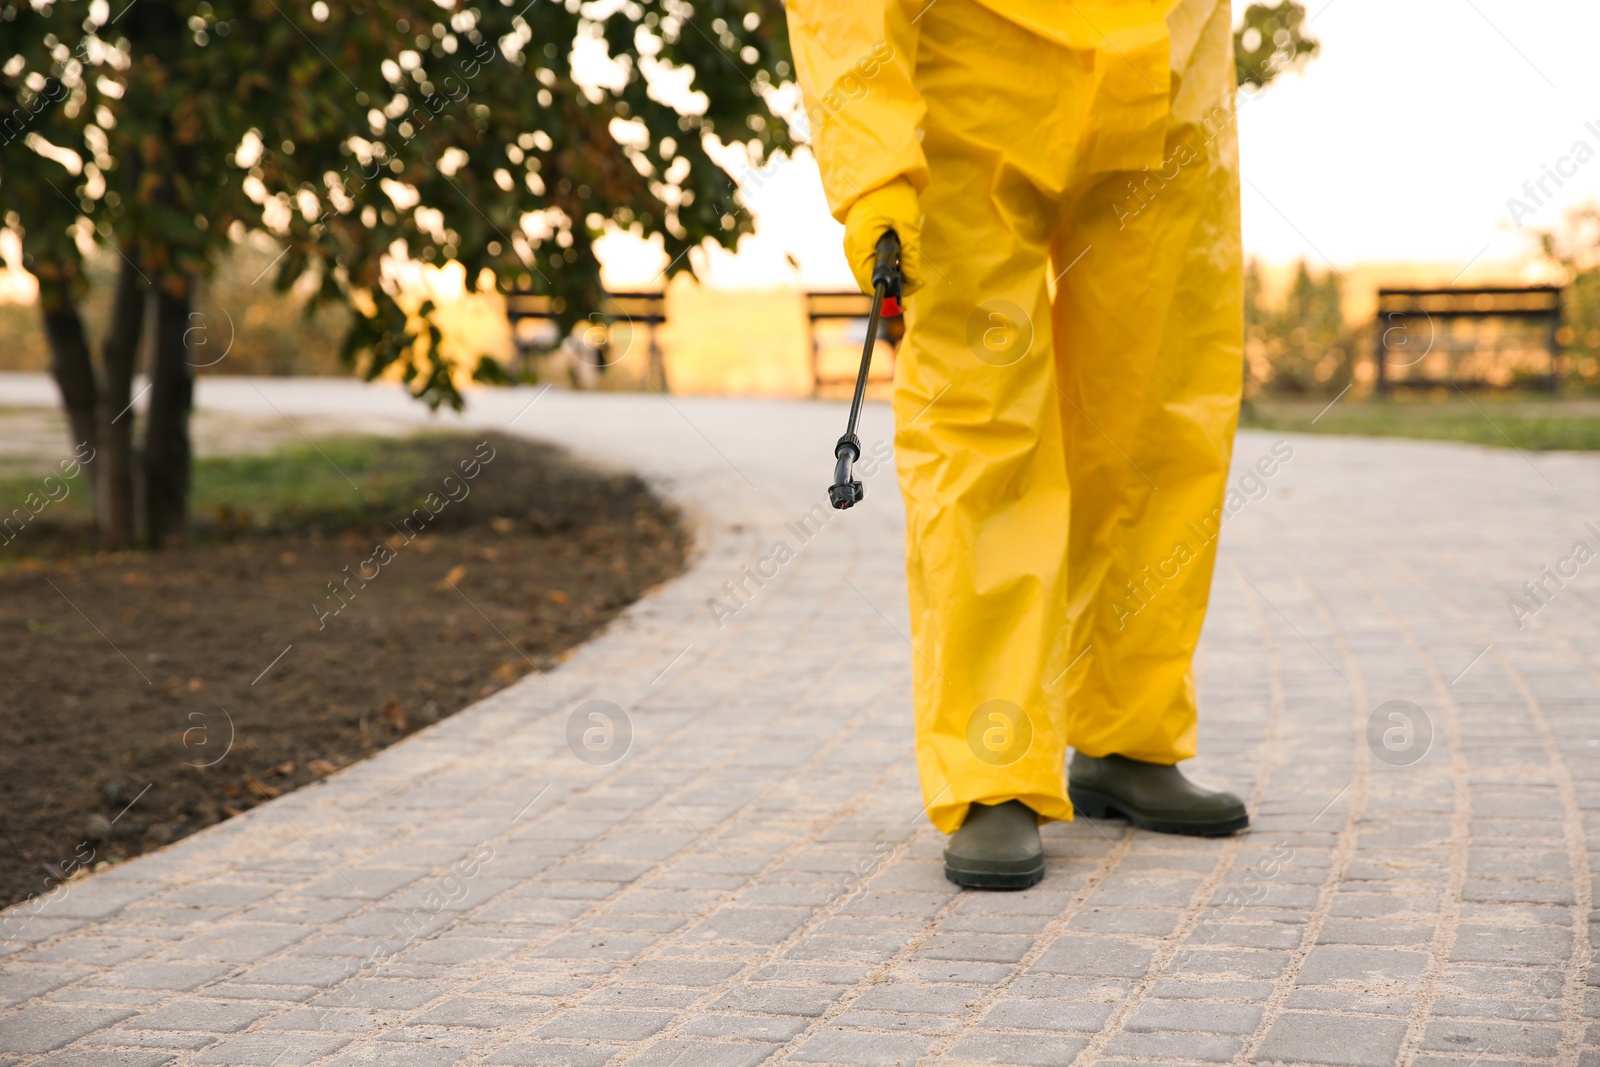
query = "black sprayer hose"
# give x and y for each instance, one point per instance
(846, 490)
(866, 360)
(885, 274)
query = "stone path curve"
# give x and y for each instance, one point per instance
(752, 882)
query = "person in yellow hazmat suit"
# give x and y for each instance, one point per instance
(1063, 179)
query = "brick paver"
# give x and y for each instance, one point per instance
(752, 881)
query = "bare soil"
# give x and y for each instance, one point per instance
(149, 695)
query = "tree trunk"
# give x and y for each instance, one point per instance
(119, 358)
(73, 368)
(166, 435)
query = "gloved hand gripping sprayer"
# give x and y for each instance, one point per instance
(846, 491)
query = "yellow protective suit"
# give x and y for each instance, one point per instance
(1067, 392)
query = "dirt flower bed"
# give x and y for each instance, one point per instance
(151, 695)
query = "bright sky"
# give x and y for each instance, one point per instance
(1406, 136)
(1401, 141)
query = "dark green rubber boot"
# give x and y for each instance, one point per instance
(996, 848)
(1153, 796)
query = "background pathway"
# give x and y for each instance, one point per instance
(699, 842)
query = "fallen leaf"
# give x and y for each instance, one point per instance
(488, 555)
(233, 791)
(230, 812)
(260, 788)
(558, 597)
(288, 559)
(195, 685)
(394, 715)
(508, 672)
(320, 767)
(502, 525)
(452, 577)
(135, 578)
(285, 768)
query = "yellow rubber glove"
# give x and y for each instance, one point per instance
(889, 207)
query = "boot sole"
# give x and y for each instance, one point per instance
(994, 880)
(1100, 806)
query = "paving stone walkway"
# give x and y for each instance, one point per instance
(699, 842)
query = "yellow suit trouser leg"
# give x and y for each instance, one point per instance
(979, 448)
(1047, 454)
(1148, 330)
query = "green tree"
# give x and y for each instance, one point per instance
(1269, 40)
(1255, 312)
(1575, 249)
(441, 130)
(1304, 345)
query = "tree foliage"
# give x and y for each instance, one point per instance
(1270, 40)
(505, 137)
(1302, 345)
(1575, 251)
(351, 131)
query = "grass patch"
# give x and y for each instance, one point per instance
(327, 485)
(1533, 425)
(335, 481)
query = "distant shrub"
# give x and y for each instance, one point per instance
(1301, 346)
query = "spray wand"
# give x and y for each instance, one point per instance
(846, 491)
